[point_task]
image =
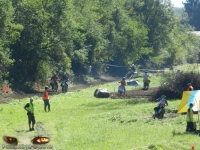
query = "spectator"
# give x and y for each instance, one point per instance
(190, 87)
(123, 84)
(189, 118)
(29, 107)
(45, 98)
(146, 80)
(90, 70)
(178, 73)
(133, 68)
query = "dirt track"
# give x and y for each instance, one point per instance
(6, 97)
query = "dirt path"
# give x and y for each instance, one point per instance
(7, 97)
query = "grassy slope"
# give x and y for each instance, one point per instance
(79, 121)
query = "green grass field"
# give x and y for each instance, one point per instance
(78, 121)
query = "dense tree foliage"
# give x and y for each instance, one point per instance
(192, 7)
(9, 33)
(39, 37)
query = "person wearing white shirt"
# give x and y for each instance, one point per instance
(146, 80)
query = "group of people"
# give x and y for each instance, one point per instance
(55, 79)
(146, 82)
(190, 112)
(189, 116)
(29, 107)
(163, 102)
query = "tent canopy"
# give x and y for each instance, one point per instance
(190, 97)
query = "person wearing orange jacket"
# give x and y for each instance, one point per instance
(45, 98)
(190, 87)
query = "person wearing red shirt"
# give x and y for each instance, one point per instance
(54, 80)
(190, 87)
(123, 84)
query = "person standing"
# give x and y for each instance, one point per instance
(133, 68)
(45, 98)
(189, 118)
(123, 84)
(89, 70)
(190, 87)
(29, 107)
(178, 73)
(146, 80)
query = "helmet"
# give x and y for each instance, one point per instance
(31, 98)
(133, 65)
(123, 78)
(146, 71)
(46, 87)
(163, 96)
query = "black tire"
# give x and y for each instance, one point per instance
(65, 88)
(54, 88)
(95, 93)
(161, 114)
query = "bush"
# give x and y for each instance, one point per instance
(173, 86)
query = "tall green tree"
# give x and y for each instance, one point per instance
(159, 18)
(192, 7)
(9, 33)
(40, 47)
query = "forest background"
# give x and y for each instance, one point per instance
(40, 37)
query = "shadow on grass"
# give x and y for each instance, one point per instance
(136, 101)
(22, 131)
(105, 105)
(174, 133)
(117, 104)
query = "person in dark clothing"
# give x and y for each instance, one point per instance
(54, 80)
(64, 77)
(133, 68)
(30, 112)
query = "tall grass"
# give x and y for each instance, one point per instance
(78, 121)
